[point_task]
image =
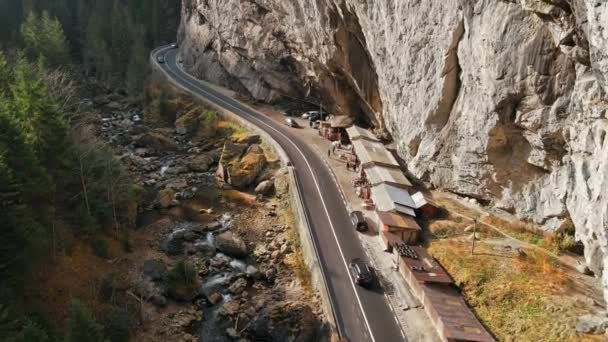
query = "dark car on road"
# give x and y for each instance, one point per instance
(361, 272)
(358, 220)
(160, 59)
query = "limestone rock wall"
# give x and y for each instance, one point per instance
(502, 100)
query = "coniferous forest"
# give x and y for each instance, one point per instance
(58, 182)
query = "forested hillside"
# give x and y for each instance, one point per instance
(110, 39)
(60, 185)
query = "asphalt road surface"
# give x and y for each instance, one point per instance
(361, 314)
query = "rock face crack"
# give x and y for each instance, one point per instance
(451, 82)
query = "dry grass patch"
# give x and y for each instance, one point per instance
(525, 232)
(452, 225)
(296, 260)
(234, 130)
(443, 229)
(519, 298)
(453, 206)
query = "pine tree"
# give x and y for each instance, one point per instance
(33, 332)
(121, 37)
(137, 69)
(82, 326)
(5, 75)
(55, 47)
(43, 36)
(22, 186)
(44, 127)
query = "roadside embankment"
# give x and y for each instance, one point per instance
(307, 244)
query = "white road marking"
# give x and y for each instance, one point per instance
(314, 179)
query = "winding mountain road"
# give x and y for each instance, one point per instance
(361, 315)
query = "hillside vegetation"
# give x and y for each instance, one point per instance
(66, 200)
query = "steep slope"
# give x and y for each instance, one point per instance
(504, 101)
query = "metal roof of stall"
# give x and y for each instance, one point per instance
(377, 174)
(391, 198)
(356, 132)
(398, 221)
(421, 199)
(374, 152)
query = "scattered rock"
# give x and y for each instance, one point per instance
(592, 324)
(214, 298)
(238, 286)
(230, 308)
(156, 141)
(154, 269)
(185, 318)
(230, 244)
(270, 274)
(219, 261)
(251, 271)
(166, 197)
(264, 187)
(173, 244)
(232, 333)
(285, 249)
(204, 248)
(200, 163)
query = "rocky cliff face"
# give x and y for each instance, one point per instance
(502, 100)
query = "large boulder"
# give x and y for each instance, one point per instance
(244, 172)
(231, 153)
(231, 244)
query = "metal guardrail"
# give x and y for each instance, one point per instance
(298, 194)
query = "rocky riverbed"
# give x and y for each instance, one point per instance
(217, 201)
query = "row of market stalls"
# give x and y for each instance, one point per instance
(384, 188)
(395, 206)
